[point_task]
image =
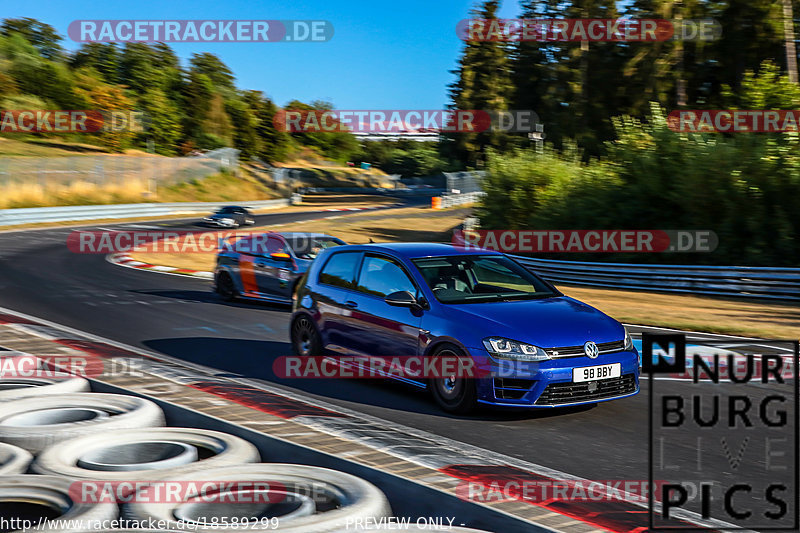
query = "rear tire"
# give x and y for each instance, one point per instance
(306, 341)
(226, 288)
(454, 394)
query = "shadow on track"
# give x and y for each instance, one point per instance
(213, 298)
(254, 359)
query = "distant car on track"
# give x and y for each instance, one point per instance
(267, 266)
(531, 345)
(230, 216)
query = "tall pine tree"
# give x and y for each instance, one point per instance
(483, 83)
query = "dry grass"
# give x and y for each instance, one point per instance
(45, 147)
(79, 192)
(695, 313)
(133, 189)
(218, 188)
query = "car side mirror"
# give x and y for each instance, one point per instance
(281, 256)
(401, 299)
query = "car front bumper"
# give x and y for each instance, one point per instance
(219, 223)
(549, 384)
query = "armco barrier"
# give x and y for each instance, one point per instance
(749, 282)
(12, 217)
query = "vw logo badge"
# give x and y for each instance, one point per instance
(591, 350)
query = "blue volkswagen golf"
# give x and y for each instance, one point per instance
(530, 345)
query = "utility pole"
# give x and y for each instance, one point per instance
(788, 34)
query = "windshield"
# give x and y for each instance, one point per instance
(481, 278)
(310, 248)
(227, 211)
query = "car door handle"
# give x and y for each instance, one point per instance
(351, 304)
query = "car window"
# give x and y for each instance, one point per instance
(466, 279)
(381, 276)
(340, 270)
(275, 245)
(309, 248)
(495, 273)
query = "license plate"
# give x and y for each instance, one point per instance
(593, 373)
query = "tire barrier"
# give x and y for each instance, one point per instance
(29, 499)
(134, 455)
(22, 387)
(37, 422)
(428, 528)
(299, 499)
(13, 460)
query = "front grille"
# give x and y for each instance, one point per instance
(564, 393)
(577, 351)
(511, 389)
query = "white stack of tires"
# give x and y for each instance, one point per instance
(66, 441)
(15, 384)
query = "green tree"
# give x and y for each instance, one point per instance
(245, 125)
(213, 67)
(162, 120)
(102, 57)
(273, 144)
(138, 68)
(217, 123)
(483, 82)
(42, 36)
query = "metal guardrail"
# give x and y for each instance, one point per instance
(749, 282)
(13, 217)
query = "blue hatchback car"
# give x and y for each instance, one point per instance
(531, 346)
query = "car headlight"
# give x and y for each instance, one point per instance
(503, 348)
(628, 342)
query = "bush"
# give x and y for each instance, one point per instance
(744, 187)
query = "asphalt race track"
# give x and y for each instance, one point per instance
(181, 317)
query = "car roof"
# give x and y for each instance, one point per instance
(416, 250)
(293, 234)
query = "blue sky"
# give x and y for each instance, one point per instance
(384, 55)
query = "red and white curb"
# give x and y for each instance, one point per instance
(123, 259)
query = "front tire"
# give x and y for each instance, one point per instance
(306, 341)
(454, 394)
(225, 287)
